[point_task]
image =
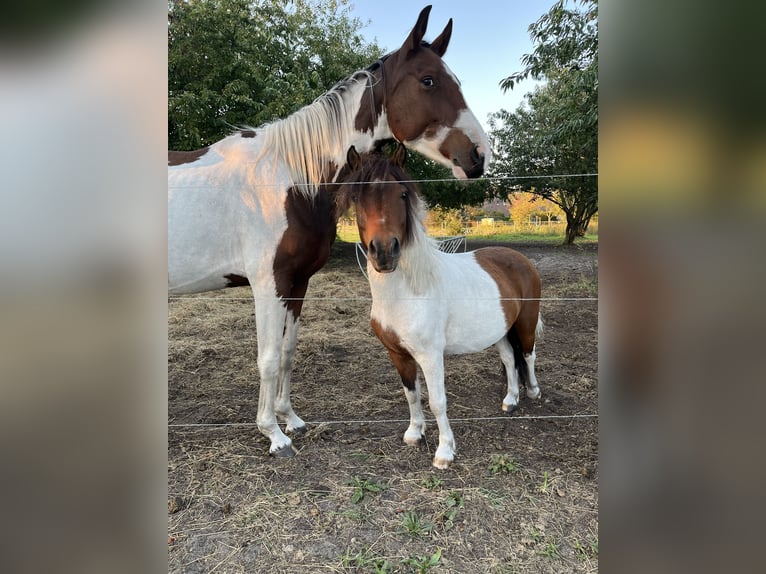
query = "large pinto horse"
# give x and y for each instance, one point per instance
(426, 303)
(252, 209)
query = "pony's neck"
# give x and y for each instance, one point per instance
(419, 262)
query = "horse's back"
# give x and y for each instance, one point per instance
(225, 213)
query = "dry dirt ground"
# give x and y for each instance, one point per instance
(521, 495)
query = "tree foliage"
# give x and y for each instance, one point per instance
(247, 62)
(555, 130)
(438, 187)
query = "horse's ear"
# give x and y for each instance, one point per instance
(416, 36)
(399, 157)
(353, 158)
(442, 41)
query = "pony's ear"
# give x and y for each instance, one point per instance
(353, 158)
(399, 157)
(416, 36)
(442, 41)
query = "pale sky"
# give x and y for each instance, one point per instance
(489, 37)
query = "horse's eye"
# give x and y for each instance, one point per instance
(405, 195)
(428, 82)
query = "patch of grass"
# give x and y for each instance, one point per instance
(454, 502)
(501, 463)
(495, 498)
(362, 487)
(414, 525)
(543, 488)
(431, 483)
(366, 561)
(422, 564)
(584, 552)
(550, 550)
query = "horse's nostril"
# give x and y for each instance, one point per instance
(395, 247)
(371, 248)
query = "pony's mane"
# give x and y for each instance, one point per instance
(310, 139)
(419, 260)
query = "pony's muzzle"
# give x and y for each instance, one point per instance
(384, 256)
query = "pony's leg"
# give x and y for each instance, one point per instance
(408, 371)
(533, 389)
(433, 370)
(284, 406)
(270, 316)
(531, 328)
(511, 400)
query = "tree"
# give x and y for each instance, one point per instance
(247, 62)
(438, 186)
(555, 130)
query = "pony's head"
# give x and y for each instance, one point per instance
(386, 203)
(424, 106)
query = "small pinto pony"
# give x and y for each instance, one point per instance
(252, 208)
(427, 304)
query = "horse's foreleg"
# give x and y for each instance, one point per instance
(270, 316)
(511, 400)
(433, 370)
(284, 406)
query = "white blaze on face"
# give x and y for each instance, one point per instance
(467, 123)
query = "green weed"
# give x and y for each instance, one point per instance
(362, 487)
(502, 463)
(422, 564)
(413, 525)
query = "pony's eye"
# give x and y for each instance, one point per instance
(428, 82)
(405, 195)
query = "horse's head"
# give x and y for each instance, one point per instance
(386, 204)
(425, 108)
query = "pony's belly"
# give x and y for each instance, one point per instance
(476, 330)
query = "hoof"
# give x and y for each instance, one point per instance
(441, 463)
(413, 441)
(533, 394)
(298, 431)
(286, 451)
(508, 409)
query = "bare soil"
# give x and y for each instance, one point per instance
(521, 495)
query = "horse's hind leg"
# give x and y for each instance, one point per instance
(511, 400)
(529, 330)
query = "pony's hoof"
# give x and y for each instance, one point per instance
(508, 409)
(286, 451)
(441, 463)
(298, 431)
(413, 441)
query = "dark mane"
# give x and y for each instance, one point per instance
(370, 177)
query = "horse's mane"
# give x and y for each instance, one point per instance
(308, 140)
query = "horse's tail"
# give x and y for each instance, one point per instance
(518, 353)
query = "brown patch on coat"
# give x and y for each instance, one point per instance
(516, 279)
(235, 280)
(182, 157)
(247, 133)
(400, 357)
(305, 245)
